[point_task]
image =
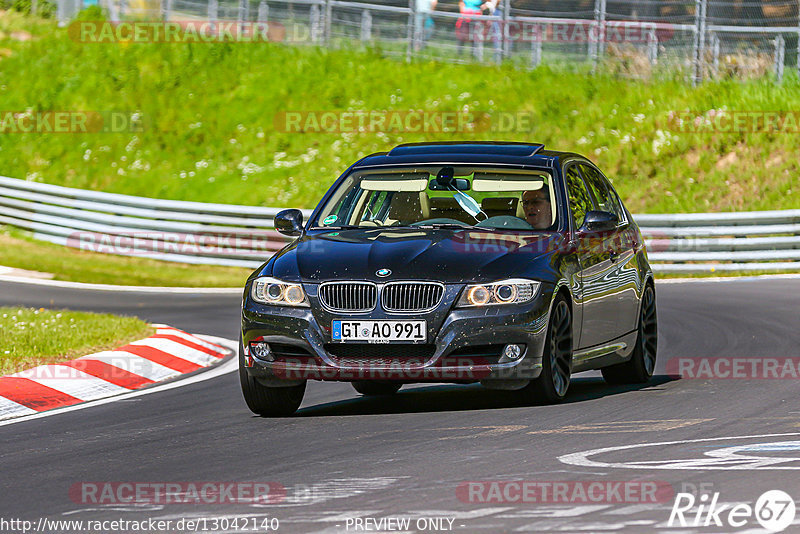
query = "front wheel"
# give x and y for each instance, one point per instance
(553, 382)
(371, 389)
(269, 401)
(642, 364)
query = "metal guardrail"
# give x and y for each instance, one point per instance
(189, 232)
(225, 234)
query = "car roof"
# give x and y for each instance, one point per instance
(469, 152)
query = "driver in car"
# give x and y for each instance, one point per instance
(536, 205)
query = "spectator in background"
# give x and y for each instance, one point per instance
(464, 27)
(423, 22)
(472, 31)
(495, 31)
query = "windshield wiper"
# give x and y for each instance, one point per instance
(443, 225)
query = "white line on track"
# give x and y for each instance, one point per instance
(715, 279)
(109, 287)
(225, 367)
(582, 458)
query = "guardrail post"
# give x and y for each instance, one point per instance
(366, 26)
(414, 34)
(652, 47)
(780, 52)
(506, 30)
(213, 13)
(714, 54)
(34, 7)
(328, 21)
(263, 12)
(699, 39)
(536, 51)
(243, 14)
(478, 37)
(315, 21)
(599, 48)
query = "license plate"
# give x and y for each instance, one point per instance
(379, 331)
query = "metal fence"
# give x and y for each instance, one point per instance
(698, 39)
(224, 234)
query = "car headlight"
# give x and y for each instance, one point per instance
(268, 290)
(512, 291)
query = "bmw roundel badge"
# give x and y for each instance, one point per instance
(383, 273)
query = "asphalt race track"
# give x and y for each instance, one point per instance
(343, 457)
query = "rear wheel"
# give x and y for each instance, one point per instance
(268, 401)
(376, 388)
(553, 382)
(640, 367)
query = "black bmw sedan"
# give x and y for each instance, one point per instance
(499, 263)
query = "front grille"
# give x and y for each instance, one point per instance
(348, 296)
(366, 355)
(411, 296)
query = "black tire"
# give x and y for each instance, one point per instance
(370, 388)
(268, 401)
(639, 368)
(553, 383)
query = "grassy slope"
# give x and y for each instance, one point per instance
(31, 337)
(17, 250)
(210, 134)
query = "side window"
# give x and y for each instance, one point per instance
(579, 201)
(602, 191)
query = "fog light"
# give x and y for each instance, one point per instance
(261, 351)
(512, 352)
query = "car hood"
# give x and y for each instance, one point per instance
(445, 255)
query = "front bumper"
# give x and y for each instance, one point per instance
(464, 345)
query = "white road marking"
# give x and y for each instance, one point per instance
(723, 463)
(714, 279)
(303, 495)
(134, 289)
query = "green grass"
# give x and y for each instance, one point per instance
(30, 337)
(209, 112)
(20, 251)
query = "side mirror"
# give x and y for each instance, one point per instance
(289, 222)
(599, 221)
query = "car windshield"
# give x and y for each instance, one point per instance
(443, 196)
